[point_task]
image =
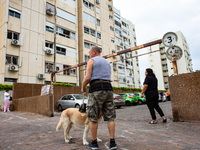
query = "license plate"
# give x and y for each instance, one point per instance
(120, 98)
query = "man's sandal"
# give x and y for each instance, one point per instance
(164, 120)
(153, 122)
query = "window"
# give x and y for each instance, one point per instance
(50, 8)
(88, 5)
(12, 35)
(97, 10)
(65, 33)
(49, 45)
(99, 35)
(98, 22)
(113, 51)
(111, 28)
(14, 13)
(117, 23)
(49, 27)
(10, 80)
(112, 40)
(60, 50)
(89, 17)
(87, 57)
(110, 17)
(88, 45)
(12, 60)
(117, 31)
(65, 15)
(48, 67)
(124, 24)
(71, 72)
(89, 31)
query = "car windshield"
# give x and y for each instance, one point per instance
(114, 95)
(137, 94)
(79, 96)
(131, 94)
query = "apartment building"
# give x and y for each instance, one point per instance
(41, 36)
(96, 26)
(125, 37)
(163, 67)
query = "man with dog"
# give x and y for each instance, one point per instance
(98, 75)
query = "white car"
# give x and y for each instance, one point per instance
(71, 101)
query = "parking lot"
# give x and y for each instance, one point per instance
(20, 131)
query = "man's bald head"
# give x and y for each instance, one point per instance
(96, 48)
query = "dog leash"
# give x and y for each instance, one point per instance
(82, 108)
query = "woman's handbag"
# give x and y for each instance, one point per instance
(10, 98)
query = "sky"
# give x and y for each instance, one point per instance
(154, 18)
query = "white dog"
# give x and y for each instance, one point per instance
(72, 116)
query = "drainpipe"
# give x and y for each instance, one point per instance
(77, 47)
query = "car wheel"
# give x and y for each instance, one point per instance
(77, 106)
(60, 108)
(118, 107)
(140, 102)
(128, 103)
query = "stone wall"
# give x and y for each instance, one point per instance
(185, 97)
(35, 104)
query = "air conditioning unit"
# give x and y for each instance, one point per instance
(41, 76)
(50, 12)
(121, 44)
(13, 68)
(49, 51)
(15, 42)
(128, 81)
(124, 79)
(98, 1)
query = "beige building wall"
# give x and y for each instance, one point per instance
(104, 28)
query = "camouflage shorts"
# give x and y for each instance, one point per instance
(101, 101)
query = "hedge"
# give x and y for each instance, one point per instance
(63, 84)
(5, 86)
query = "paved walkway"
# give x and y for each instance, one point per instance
(23, 131)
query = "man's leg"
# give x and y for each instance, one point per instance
(93, 129)
(111, 128)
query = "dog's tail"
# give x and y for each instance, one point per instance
(59, 125)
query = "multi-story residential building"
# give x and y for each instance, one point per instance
(39, 37)
(43, 36)
(163, 67)
(125, 37)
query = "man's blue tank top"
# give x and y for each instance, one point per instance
(101, 69)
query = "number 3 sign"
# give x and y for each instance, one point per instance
(170, 39)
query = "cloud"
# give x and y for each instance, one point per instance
(153, 18)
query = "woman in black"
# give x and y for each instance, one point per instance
(151, 92)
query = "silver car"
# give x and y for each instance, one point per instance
(70, 101)
(118, 100)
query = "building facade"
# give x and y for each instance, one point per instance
(125, 37)
(42, 36)
(163, 67)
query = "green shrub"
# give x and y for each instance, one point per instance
(5, 86)
(63, 84)
(126, 88)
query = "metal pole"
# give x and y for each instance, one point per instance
(175, 67)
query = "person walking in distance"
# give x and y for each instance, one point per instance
(7, 101)
(100, 99)
(161, 95)
(151, 92)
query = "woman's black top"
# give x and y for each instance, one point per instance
(152, 83)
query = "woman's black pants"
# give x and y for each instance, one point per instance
(152, 103)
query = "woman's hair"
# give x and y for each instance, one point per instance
(7, 90)
(150, 72)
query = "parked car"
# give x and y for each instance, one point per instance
(129, 98)
(139, 98)
(118, 100)
(70, 101)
